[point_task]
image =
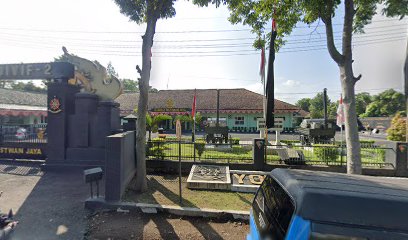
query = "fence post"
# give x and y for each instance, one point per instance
(402, 160)
(194, 149)
(180, 197)
(341, 154)
(258, 152)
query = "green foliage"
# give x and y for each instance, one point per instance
(398, 129)
(304, 104)
(157, 151)
(367, 143)
(152, 123)
(395, 8)
(111, 70)
(130, 85)
(199, 145)
(234, 141)
(182, 118)
(290, 142)
(22, 86)
(140, 10)
(237, 149)
(326, 152)
(385, 104)
(157, 148)
(362, 101)
(317, 106)
(258, 14)
(173, 138)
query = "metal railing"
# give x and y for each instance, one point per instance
(199, 152)
(328, 155)
(33, 133)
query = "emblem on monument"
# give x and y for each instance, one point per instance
(55, 105)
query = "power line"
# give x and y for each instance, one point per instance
(215, 45)
(139, 32)
(291, 39)
(217, 53)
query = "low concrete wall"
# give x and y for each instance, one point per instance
(168, 166)
(120, 164)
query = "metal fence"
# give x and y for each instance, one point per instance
(199, 152)
(33, 133)
(330, 155)
(291, 154)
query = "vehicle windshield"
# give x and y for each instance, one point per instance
(272, 210)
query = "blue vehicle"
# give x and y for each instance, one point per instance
(301, 205)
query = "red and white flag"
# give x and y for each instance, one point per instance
(193, 108)
(340, 113)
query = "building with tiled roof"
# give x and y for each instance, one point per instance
(240, 108)
(20, 107)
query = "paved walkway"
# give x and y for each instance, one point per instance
(47, 205)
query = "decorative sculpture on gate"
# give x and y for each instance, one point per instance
(93, 77)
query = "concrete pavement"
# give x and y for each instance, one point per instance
(47, 205)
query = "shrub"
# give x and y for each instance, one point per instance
(174, 139)
(367, 143)
(199, 145)
(290, 142)
(326, 152)
(234, 141)
(239, 150)
(398, 129)
(156, 148)
(157, 151)
(158, 140)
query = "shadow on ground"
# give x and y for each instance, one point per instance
(47, 205)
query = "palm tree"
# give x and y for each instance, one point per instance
(152, 123)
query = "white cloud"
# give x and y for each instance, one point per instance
(291, 83)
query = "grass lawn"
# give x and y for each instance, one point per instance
(236, 154)
(164, 190)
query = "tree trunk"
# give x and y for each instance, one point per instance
(351, 127)
(406, 92)
(345, 60)
(141, 181)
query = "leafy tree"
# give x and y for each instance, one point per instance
(362, 101)
(357, 13)
(304, 104)
(399, 8)
(130, 85)
(111, 70)
(387, 103)
(332, 109)
(145, 11)
(317, 106)
(152, 123)
(182, 118)
(397, 130)
(28, 87)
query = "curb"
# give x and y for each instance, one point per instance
(100, 203)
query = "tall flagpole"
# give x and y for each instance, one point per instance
(262, 132)
(194, 112)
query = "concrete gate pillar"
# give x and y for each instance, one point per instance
(402, 160)
(57, 120)
(258, 149)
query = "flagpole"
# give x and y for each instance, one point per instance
(194, 116)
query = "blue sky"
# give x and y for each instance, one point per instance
(95, 29)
